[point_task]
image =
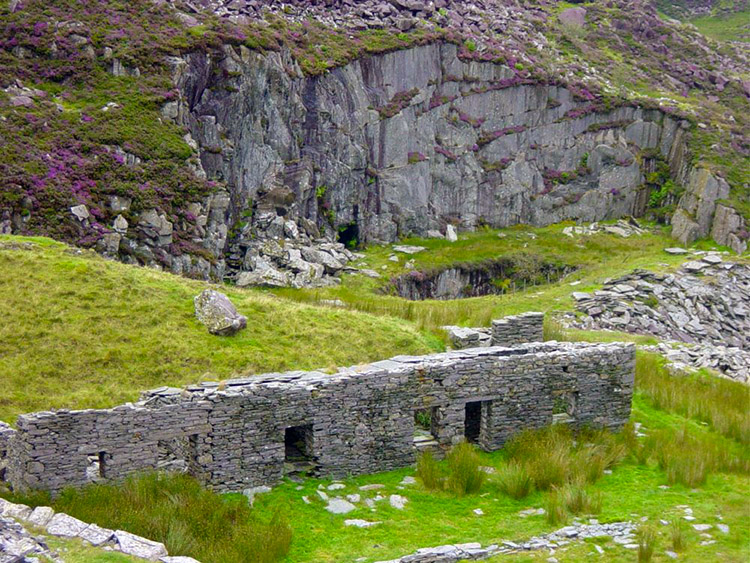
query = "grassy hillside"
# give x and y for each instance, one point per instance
(725, 27)
(80, 331)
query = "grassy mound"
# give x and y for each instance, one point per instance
(79, 331)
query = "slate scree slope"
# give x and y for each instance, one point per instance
(358, 420)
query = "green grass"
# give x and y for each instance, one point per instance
(596, 257)
(725, 27)
(80, 331)
(177, 511)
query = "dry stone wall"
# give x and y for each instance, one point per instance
(360, 420)
(517, 329)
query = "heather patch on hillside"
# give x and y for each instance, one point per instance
(75, 134)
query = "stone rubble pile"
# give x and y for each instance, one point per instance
(707, 301)
(16, 541)
(731, 362)
(474, 18)
(622, 533)
(275, 251)
(622, 228)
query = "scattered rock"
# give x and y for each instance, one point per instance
(137, 546)
(574, 17)
(81, 212)
(217, 312)
(360, 523)
(398, 502)
(339, 506)
(450, 233)
(408, 249)
(66, 526)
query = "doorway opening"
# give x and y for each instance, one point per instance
(472, 421)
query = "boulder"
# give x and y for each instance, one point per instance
(81, 212)
(217, 312)
(574, 17)
(450, 233)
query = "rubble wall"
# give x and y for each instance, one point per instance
(361, 419)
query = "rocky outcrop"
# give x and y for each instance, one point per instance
(414, 140)
(217, 312)
(730, 229)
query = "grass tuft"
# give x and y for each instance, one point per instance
(647, 537)
(428, 471)
(513, 480)
(677, 535)
(464, 475)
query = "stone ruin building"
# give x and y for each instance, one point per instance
(252, 431)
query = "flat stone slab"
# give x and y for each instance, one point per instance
(398, 502)
(95, 535)
(41, 516)
(406, 249)
(694, 266)
(137, 546)
(178, 559)
(675, 251)
(65, 526)
(340, 506)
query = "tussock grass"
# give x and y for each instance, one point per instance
(579, 501)
(689, 458)
(677, 535)
(464, 475)
(555, 508)
(428, 471)
(176, 510)
(460, 474)
(647, 538)
(80, 331)
(719, 402)
(553, 456)
(513, 480)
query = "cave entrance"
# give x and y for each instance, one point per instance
(298, 450)
(349, 235)
(472, 421)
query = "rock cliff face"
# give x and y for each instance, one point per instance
(412, 141)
